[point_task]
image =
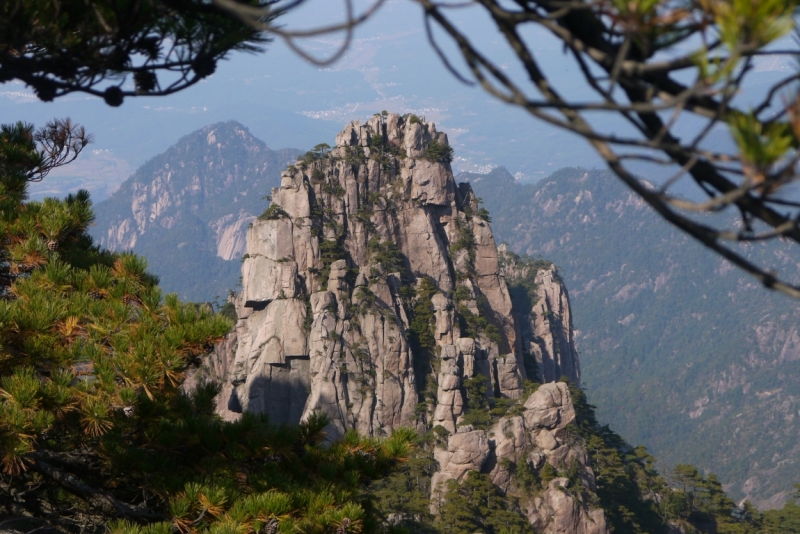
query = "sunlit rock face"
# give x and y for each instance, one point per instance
(372, 290)
(322, 318)
(541, 434)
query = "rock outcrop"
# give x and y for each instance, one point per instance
(373, 292)
(541, 434)
(329, 284)
(543, 316)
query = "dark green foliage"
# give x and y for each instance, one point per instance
(421, 335)
(319, 152)
(367, 300)
(385, 153)
(477, 505)
(699, 503)
(626, 476)
(548, 473)
(440, 152)
(786, 520)
(329, 252)
(333, 188)
(505, 406)
(364, 216)
(477, 409)
(228, 310)
(160, 46)
(412, 119)
(317, 176)
(251, 472)
(386, 255)
(526, 479)
(479, 414)
(483, 213)
(627, 481)
(407, 491)
(462, 293)
(355, 156)
(91, 366)
(273, 212)
(308, 320)
(473, 325)
(465, 240)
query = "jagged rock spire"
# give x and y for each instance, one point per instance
(373, 292)
(325, 322)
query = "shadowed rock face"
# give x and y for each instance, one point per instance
(372, 291)
(545, 323)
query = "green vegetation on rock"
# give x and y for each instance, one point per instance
(437, 151)
(97, 433)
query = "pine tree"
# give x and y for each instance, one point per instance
(477, 505)
(787, 519)
(95, 430)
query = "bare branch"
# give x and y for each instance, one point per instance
(60, 141)
(259, 18)
(624, 52)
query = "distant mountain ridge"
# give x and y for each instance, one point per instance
(188, 208)
(680, 351)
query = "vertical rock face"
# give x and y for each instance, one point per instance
(329, 284)
(553, 340)
(543, 316)
(373, 292)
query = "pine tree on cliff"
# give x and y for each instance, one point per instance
(95, 431)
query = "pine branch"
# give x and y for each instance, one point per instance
(102, 501)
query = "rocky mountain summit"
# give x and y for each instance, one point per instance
(373, 292)
(196, 199)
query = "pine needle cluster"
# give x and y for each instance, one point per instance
(96, 431)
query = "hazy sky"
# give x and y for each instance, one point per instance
(287, 102)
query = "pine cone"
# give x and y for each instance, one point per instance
(343, 527)
(95, 295)
(271, 527)
(130, 300)
(7, 240)
(52, 245)
(128, 411)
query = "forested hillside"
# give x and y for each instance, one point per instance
(680, 351)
